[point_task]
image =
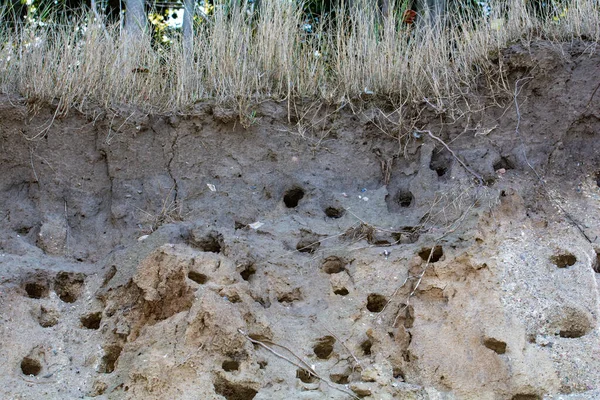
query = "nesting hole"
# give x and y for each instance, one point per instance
(398, 373)
(308, 245)
(23, 231)
(407, 235)
(572, 333)
(437, 254)
(324, 347)
(525, 397)
(597, 264)
(248, 271)
(366, 347)
(376, 302)
(233, 391)
(495, 345)
(340, 379)
(91, 320)
(504, 163)
(109, 360)
(31, 366)
(212, 242)
(333, 265)
(36, 290)
(598, 178)
(405, 199)
(440, 162)
(341, 291)
(333, 212)
(230, 365)
(68, 286)
(197, 277)
(291, 296)
(292, 197)
(564, 260)
(305, 376)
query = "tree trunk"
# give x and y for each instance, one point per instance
(188, 28)
(135, 18)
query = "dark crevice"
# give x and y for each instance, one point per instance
(292, 197)
(169, 170)
(31, 366)
(495, 345)
(564, 260)
(436, 255)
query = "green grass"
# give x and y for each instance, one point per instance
(358, 57)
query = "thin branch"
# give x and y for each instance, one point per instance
(300, 364)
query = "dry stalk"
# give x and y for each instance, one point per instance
(300, 363)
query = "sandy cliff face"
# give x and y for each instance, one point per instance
(185, 257)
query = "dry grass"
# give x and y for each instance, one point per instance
(238, 62)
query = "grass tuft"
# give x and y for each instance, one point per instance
(239, 58)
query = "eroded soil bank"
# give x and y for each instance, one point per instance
(311, 255)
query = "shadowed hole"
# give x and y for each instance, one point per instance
(262, 364)
(366, 347)
(23, 231)
(397, 373)
(341, 291)
(564, 260)
(197, 277)
(340, 379)
(230, 365)
(495, 345)
(407, 235)
(308, 245)
(91, 320)
(597, 263)
(333, 212)
(573, 333)
(291, 296)
(305, 376)
(332, 265)
(248, 271)
(324, 347)
(376, 302)
(212, 242)
(233, 391)
(405, 199)
(504, 163)
(109, 360)
(31, 366)
(36, 290)
(68, 286)
(525, 397)
(292, 197)
(437, 254)
(440, 162)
